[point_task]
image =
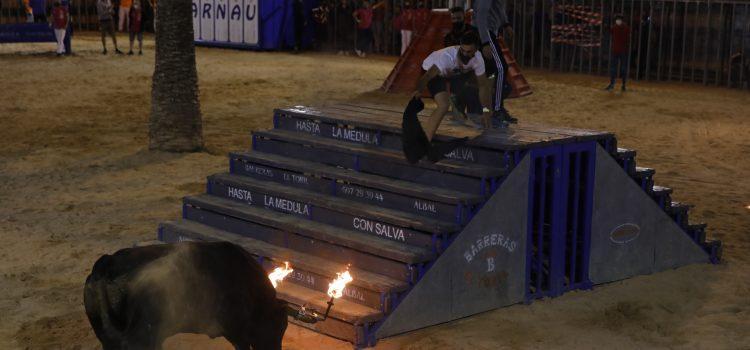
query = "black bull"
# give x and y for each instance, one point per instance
(138, 297)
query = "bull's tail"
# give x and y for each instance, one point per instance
(99, 306)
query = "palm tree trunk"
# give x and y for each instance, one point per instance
(175, 122)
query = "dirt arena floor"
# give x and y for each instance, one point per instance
(77, 181)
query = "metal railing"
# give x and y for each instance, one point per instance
(705, 41)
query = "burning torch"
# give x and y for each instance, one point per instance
(335, 291)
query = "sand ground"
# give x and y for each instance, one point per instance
(77, 181)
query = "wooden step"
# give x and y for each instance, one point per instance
(343, 246)
(471, 178)
(644, 178)
(342, 309)
(679, 212)
(387, 121)
(626, 158)
(439, 203)
(662, 195)
(524, 135)
(348, 124)
(384, 223)
(697, 232)
(714, 249)
(348, 238)
(449, 166)
(309, 271)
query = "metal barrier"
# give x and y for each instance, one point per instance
(679, 40)
(706, 41)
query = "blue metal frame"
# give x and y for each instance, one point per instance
(561, 188)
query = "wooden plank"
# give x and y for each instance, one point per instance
(192, 211)
(342, 309)
(341, 205)
(375, 181)
(328, 184)
(374, 138)
(342, 157)
(661, 189)
(499, 139)
(455, 167)
(348, 238)
(280, 203)
(563, 132)
(298, 260)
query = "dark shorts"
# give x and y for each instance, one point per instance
(106, 25)
(439, 84)
(138, 35)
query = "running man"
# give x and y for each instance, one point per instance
(452, 65)
(490, 19)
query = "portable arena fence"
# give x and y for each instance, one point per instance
(512, 216)
(704, 41)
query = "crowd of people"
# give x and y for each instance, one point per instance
(361, 27)
(130, 16)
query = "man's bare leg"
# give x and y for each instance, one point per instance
(443, 101)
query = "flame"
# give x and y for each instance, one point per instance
(278, 274)
(336, 288)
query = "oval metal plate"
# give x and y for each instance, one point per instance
(625, 233)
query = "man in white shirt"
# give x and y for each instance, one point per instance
(454, 65)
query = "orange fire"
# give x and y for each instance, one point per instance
(278, 274)
(336, 288)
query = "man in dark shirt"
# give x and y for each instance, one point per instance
(620, 34)
(491, 20)
(458, 19)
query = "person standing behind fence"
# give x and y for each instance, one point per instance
(60, 18)
(378, 27)
(363, 17)
(404, 22)
(620, 34)
(136, 26)
(29, 11)
(490, 19)
(106, 24)
(124, 13)
(344, 27)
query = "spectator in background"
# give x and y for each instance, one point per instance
(106, 24)
(378, 27)
(620, 34)
(421, 15)
(124, 13)
(136, 26)
(404, 23)
(38, 8)
(300, 22)
(67, 41)
(344, 27)
(363, 17)
(459, 27)
(29, 11)
(60, 18)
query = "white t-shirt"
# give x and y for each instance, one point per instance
(449, 65)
